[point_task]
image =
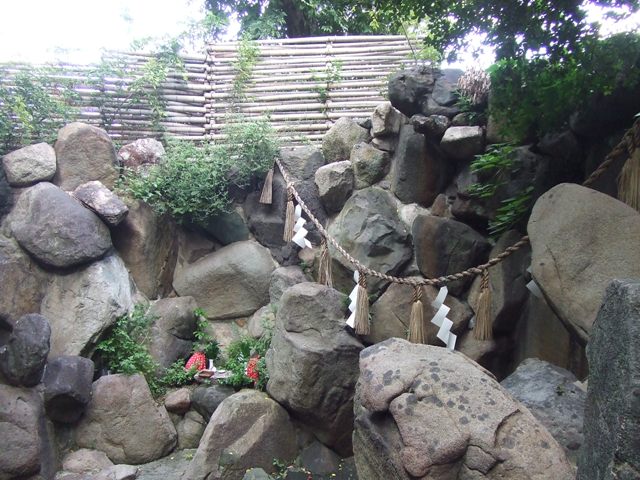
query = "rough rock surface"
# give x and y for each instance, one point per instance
(102, 201)
(178, 401)
(369, 164)
(67, 388)
(312, 363)
(335, 184)
(581, 239)
(282, 278)
(301, 161)
(229, 283)
(385, 120)
(190, 429)
(444, 90)
(84, 153)
(340, 139)
(145, 151)
(121, 413)
(147, 244)
(226, 228)
(168, 468)
(408, 88)
(551, 394)
(6, 195)
(425, 412)
(612, 424)
(432, 126)
(56, 229)
(81, 305)
(85, 460)
(205, 400)
(462, 143)
(23, 358)
(29, 165)
(247, 430)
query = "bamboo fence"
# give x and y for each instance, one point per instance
(289, 83)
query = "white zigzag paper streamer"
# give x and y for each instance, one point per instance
(533, 287)
(440, 320)
(353, 296)
(299, 231)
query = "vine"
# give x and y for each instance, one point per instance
(331, 75)
(243, 66)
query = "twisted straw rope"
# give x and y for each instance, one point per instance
(629, 143)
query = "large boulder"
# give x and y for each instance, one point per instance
(23, 358)
(143, 152)
(385, 120)
(312, 363)
(369, 164)
(369, 228)
(301, 161)
(445, 246)
(282, 278)
(102, 201)
(462, 143)
(446, 86)
(248, 430)
(335, 184)
(29, 165)
(205, 400)
(124, 421)
(417, 169)
(82, 305)
(84, 153)
(611, 447)
(552, 395)
(581, 239)
(409, 88)
(85, 460)
(56, 229)
(425, 412)
(229, 283)
(340, 139)
(147, 243)
(67, 387)
(20, 411)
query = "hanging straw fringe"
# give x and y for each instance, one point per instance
(266, 197)
(417, 331)
(362, 308)
(325, 275)
(289, 219)
(484, 326)
(629, 181)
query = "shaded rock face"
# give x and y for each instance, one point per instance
(369, 164)
(247, 430)
(444, 90)
(29, 165)
(550, 393)
(369, 228)
(335, 183)
(425, 412)
(146, 151)
(312, 363)
(84, 153)
(56, 229)
(81, 305)
(462, 143)
(23, 358)
(340, 139)
(283, 278)
(121, 413)
(6, 195)
(102, 201)
(190, 429)
(226, 228)
(408, 88)
(205, 400)
(229, 283)
(612, 424)
(67, 388)
(575, 255)
(385, 120)
(301, 162)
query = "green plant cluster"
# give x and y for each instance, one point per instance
(243, 66)
(239, 352)
(332, 74)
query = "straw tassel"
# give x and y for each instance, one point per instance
(266, 197)
(484, 326)
(629, 181)
(325, 275)
(289, 219)
(362, 308)
(417, 332)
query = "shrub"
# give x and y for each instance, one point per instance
(239, 353)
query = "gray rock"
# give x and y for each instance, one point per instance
(121, 413)
(390, 314)
(67, 388)
(84, 153)
(429, 107)
(340, 139)
(247, 430)
(81, 305)
(551, 394)
(205, 400)
(444, 247)
(85, 461)
(611, 420)
(102, 201)
(262, 317)
(385, 120)
(386, 144)
(432, 126)
(56, 229)
(370, 229)
(23, 358)
(462, 143)
(142, 152)
(417, 171)
(369, 164)
(424, 412)
(20, 411)
(319, 460)
(190, 430)
(578, 246)
(407, 88)
(256, 474)
(445, 89)
(335, 184)
(282, 278)
(466, 119)
(168, 468)
(226, 228)
(178, 401)
(29, 165)
(312, 365)
(229, 283)
(302, 161)
(147, 244)
(6, 195)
